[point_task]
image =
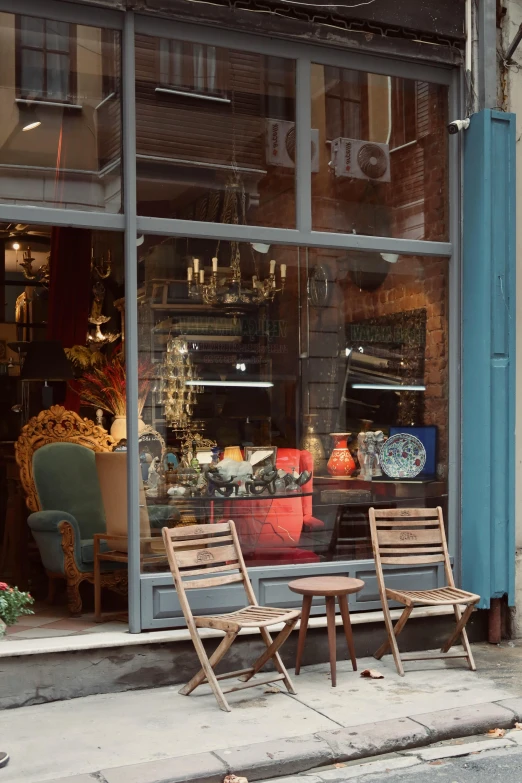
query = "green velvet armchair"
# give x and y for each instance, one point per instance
(55, 453)
(56, 456)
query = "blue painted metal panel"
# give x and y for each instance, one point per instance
(488, 360)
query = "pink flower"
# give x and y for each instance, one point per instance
(4, 586)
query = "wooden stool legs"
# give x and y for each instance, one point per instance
(330, 617)
(305, 614)
(347, 625)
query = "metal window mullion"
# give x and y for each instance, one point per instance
(455, 330)
(303, 157)
(286, 236)
(53, 216)
(131, 318)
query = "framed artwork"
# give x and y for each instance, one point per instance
(260, 456)
(428, 438)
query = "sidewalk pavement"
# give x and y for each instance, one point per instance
(158, 736)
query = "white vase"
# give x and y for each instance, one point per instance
(119, 427)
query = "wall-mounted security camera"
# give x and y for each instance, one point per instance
(458, 125)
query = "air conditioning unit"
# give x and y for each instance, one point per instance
(361, 159)
(280, 144)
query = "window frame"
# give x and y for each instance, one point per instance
(188, 76)
(342, 98)
(71, 53)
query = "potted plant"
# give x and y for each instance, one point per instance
(13, 604)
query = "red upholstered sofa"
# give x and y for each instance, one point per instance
(270, 530)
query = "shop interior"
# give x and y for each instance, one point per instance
(289, 388)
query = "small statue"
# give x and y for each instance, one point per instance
(369, 444)
(153, 476)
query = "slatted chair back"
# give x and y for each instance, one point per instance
(211, 553)
(409, 536)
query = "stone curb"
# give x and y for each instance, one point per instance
(279, 758)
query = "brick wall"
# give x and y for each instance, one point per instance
(415, 283)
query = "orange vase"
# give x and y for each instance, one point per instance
(341, 462)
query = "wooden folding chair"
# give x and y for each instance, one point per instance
(416, 536)
(203, 551)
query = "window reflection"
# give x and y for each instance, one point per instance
(215, 134)
(316, 379)
(60, 129)
(383, 155)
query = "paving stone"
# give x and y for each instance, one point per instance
(373, 739)
(307, 777)
(200, 767)
(76, 779)
(515, 736)
(284, 757)
(372, 767)
(515, 705)
(451, 751)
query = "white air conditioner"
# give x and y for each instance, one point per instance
(280, 144)
(361, 159)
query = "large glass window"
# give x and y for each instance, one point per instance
(215, 134)
(383, 158)
(60, 127)
(332, 372)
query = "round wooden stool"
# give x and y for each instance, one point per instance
(329, 587)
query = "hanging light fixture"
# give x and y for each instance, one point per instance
(178, 387)
(228, 288)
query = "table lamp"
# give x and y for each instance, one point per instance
(46, 361)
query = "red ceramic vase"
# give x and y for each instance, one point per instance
(341, 462)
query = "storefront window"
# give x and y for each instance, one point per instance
(273, 398)
(60, 129)
(382, 166)
(215, 134)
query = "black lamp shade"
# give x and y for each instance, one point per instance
(46, 361)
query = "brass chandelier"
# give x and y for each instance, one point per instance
(226, 286)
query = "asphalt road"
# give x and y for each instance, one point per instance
(497, 766)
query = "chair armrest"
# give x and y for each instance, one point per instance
(48, 521)
(160, 515)
(46, 532)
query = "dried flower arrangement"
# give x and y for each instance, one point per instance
(104, 385)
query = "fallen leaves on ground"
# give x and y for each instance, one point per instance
(518, 726)
(234, 779)
(495, 733)
(372, 674)
(435, 763)
(271, 689)
(339, 765)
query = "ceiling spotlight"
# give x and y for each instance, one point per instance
(31, 126)
(16, 246)
(391, 258)
(260, 247)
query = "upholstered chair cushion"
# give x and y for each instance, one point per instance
(66, 480)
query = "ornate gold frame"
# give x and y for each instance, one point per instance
(51, 426)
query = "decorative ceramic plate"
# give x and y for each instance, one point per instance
(402, 456)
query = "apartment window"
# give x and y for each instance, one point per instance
(191, 67)
(111, 55)
(346, 107)
(280, 88)
(44, 58)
